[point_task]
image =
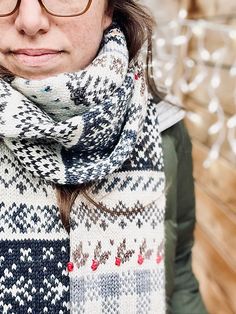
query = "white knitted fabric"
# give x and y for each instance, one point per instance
(104, 134)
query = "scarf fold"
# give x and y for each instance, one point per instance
(77, 127)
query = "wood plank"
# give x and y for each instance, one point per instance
(219, 180)
(220, 224)
(214, 7)
(211, 293)
(215, 268)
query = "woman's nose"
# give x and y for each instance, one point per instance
(31, 18)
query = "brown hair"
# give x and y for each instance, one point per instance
(137, 25)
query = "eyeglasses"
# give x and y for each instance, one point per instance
(61, 8)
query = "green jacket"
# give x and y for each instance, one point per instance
(182, 287)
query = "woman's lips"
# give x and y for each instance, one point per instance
(35, 57)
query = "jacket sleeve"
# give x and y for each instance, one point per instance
(184, 295)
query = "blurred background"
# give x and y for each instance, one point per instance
(195, 62)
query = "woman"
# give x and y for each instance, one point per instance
(81, 172)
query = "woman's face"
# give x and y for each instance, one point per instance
(35, 45)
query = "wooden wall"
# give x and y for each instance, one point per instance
(214, 254)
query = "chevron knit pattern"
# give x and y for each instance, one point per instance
(94, 127)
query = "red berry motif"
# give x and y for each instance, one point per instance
(118, 261)
(136, 76)
(70, 266)
(140, 259)
(158, 259)
(94, 265)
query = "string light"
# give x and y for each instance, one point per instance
(205, 55)
(160, 42)
(232, 34)
(215, 128)
(231, 134)
(215, 81)
(233, 70)
(178, 73)
(180, 40)
(198, 30)
(213, 105)
(183, 13)
(194, 117)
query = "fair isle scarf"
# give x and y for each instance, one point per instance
(97, 126)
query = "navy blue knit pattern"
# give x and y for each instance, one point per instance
(32, 277)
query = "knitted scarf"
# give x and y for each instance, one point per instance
(97, 126)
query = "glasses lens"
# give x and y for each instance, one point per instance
(7, 6)
(65, 7)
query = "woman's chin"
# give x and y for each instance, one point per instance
(38, 67)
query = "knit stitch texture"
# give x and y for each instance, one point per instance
(94, 127)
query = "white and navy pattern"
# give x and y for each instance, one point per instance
(91, 143)
(34, 244)
(122, 241)
(93, 127)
